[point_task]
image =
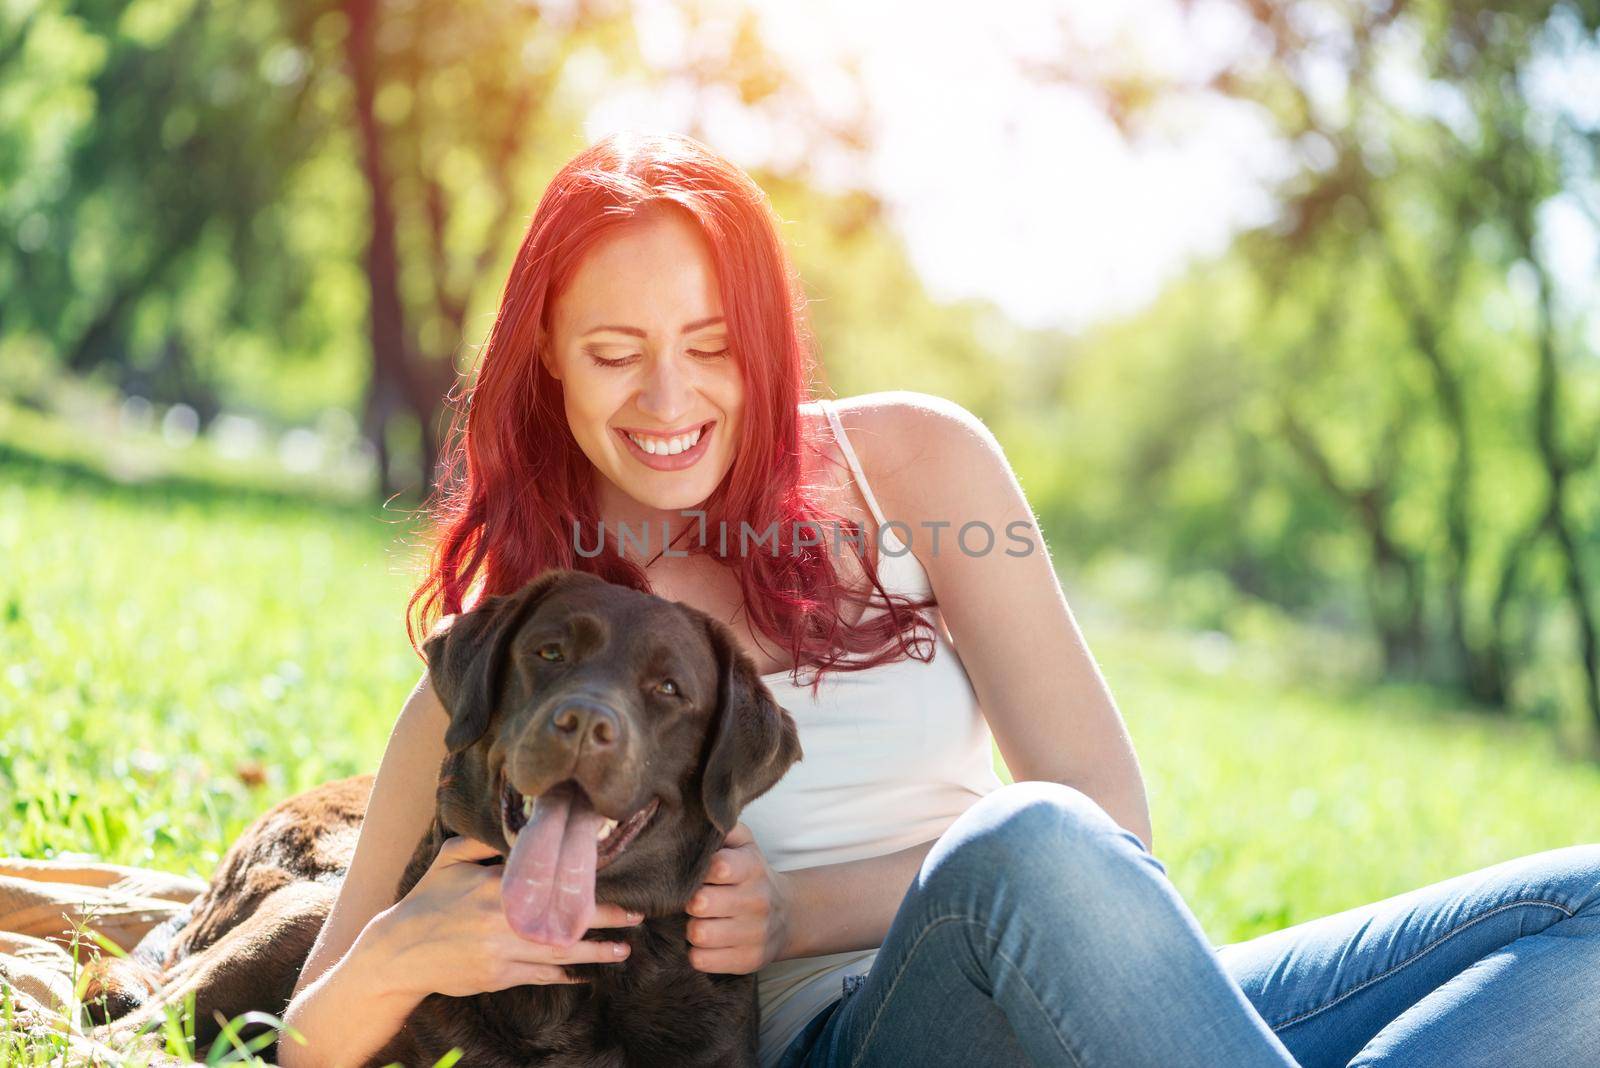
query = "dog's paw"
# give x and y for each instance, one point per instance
(113, 987)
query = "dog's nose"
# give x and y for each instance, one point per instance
(588, 723)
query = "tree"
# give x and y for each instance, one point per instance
(1423, 159)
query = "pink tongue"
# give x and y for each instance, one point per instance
(547, 888)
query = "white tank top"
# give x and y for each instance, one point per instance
(892, 755)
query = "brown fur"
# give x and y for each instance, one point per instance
(704, 754)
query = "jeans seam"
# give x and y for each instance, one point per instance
(1429, 948)
(877, 1016)
(983, 929)
(1025, 985)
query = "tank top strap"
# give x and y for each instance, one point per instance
(845, 447)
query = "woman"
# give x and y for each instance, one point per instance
(648, 361)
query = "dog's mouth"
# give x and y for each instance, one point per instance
(558, 842)
(613, 837)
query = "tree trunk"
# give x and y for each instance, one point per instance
(396, 381)
(1556, 520)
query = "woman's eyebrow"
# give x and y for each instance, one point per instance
(634, 331)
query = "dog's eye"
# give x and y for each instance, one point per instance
(550, 652)
(668, 687)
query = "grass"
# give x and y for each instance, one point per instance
(1276, 803)
(178, 653)
(161, 649)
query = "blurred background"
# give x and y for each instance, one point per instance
(1283, 311)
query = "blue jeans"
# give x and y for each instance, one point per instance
(1040, 932)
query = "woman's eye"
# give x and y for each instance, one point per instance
(668, 687)
(623, 361)
(551, 652)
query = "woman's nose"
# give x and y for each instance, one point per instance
(666, 395)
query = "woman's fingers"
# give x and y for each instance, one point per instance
(609, 915)
(731, 865)
(523, 973)
(584, 951)
(740, 961)
(721, 933)
(712, 900)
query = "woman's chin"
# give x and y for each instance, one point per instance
(676, 502)
(669, 491)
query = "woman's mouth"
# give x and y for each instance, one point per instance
(657, 451)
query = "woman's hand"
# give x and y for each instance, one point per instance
(450, 935)
(739, 917)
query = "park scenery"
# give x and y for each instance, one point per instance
(1284, 313)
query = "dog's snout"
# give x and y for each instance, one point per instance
(588, 723)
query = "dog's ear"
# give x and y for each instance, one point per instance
(753, 741)
(467, 659)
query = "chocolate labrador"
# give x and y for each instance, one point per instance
(610, 731)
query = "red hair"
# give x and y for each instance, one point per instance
(517, 486)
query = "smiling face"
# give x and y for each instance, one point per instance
(653, 393)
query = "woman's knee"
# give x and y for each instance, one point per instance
(1031, 832)
(1569, 875)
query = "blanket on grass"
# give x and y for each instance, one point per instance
(46, 909)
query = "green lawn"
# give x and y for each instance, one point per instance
(158, 638)
(1277, 803)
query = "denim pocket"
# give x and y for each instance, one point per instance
(851, 984)
(798, 1053)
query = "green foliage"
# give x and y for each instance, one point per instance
(145, 226)
(876, 326)
(159, 652)
(1380, 408)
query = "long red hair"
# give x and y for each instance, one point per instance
(516, 482)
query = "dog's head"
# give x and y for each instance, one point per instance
(607, 739)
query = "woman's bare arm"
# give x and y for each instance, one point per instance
(1050, 710)
(835, 908)
(347, 1003)
(1048, 706)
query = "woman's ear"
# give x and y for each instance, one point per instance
(545, 345)
(753, 741)
(467, 659)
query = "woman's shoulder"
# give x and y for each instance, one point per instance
(899, 436)
(899, 422)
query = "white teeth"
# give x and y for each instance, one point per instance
(666, 446)
(606, 826)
